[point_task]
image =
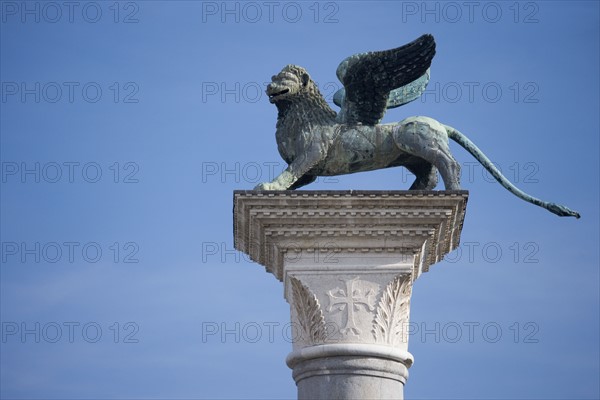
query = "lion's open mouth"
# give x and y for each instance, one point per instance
(273, 95)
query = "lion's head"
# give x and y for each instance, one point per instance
(291, 81)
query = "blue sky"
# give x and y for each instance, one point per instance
(125, 128)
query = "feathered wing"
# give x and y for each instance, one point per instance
(397, 97)
(378, 80)
(409, 92)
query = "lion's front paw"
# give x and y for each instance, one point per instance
(264, 186)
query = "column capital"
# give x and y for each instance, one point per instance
(348, 260)
(277, 227)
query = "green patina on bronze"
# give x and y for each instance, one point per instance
(316, 141)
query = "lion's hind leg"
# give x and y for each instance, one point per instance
(427, 139)
(426, 177)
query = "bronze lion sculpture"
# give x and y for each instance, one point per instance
(316, 141)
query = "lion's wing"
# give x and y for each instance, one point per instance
(370, 78)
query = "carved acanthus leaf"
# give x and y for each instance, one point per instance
(391, 320)
(310, 315)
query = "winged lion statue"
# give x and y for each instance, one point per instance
(316, 141)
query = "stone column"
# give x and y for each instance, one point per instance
(348, 260)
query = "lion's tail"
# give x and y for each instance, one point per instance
(468, 145)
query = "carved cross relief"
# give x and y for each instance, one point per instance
(350, 299)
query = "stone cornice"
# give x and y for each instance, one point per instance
(268, 225)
